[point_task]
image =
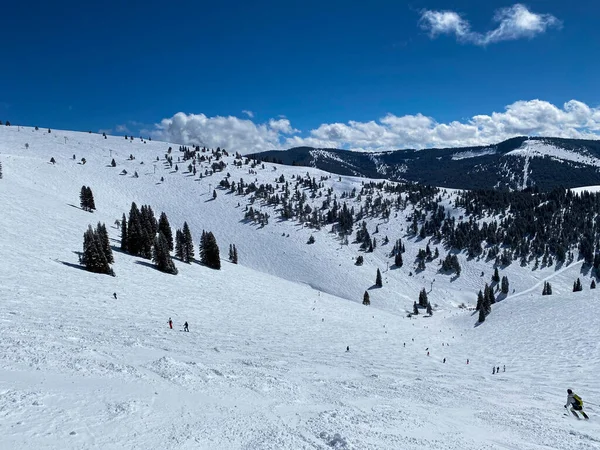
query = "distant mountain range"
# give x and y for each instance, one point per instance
(515, 164)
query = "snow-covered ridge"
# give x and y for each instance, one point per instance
(473, 154)
(540, 149)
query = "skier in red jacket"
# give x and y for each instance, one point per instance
(170, 323)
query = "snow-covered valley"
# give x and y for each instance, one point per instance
(264, 365)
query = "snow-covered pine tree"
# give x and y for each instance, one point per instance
(165, 228)
(378, 281)
(161, 255)
(366, 299)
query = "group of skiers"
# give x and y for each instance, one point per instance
(185, 325)
(496, 370)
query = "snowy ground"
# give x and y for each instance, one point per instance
(264, 365)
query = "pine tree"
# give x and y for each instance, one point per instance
(165, 228)
(593, 284)
(235, 255)
(398, 259)
(378, 281)
(423, 298)
(135, 232)
(359, 260)
(479, 301)
(209, 251)
(113, 163)
(415, 309)
(93, 257)
(179, 244)
(0, 170)
(83, 201)
(504, 287)
(124, 233)
(481, 315)
(496, 276)
(188, 244)
(105, 242)
(366, 299)
(161, 255)
(577, 286)
(429, 309)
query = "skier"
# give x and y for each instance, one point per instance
(503, 368)
(115, 295)
(444, 360)
(576, 404)
(185, 327)
(498, 369)
(170, 323)
(348, 348)
(467, 362)
(493, 371)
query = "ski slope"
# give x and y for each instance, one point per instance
(265, 363)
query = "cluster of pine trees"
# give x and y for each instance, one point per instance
(97, 254)
(209, 251)
(485, 300)
(86, 199)
(547, 290)
(233, 254)
(451, 264)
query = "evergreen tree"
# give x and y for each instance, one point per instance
(504, 286)
(398, 260)
(93, 257)
(479, 301)
(179, 244)
(235, 255)
(577, 286)
(135, 232)
(105, 242)
(113, 163)
(86, 199)
(378, 281)
(0, 170)
(481, 315)
(209, 250)
(593, 284)
(366, 299)
(496, 276)
(415, 309)
(423, 298)
(124, 234)
(165, 228)
(188, 244)
(359, 260)
(429, 309)
(161, 255)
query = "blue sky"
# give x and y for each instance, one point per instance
(371, 75)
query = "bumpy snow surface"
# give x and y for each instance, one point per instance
(264, 365)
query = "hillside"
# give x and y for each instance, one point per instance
(541, 162)
(264, 364)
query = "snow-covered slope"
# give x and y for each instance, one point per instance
(264, 365)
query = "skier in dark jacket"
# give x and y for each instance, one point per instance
(576, 404)
(185, 327)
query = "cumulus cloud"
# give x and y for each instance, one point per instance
(523, 118)
(248, 113)
(122, 128)
(233, 133)
(513, 22)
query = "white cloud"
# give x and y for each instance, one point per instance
(248, 113)
(232, 133)
(514, 22)
(122, 128)
(523, 118)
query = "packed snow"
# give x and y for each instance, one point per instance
(264, 365)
